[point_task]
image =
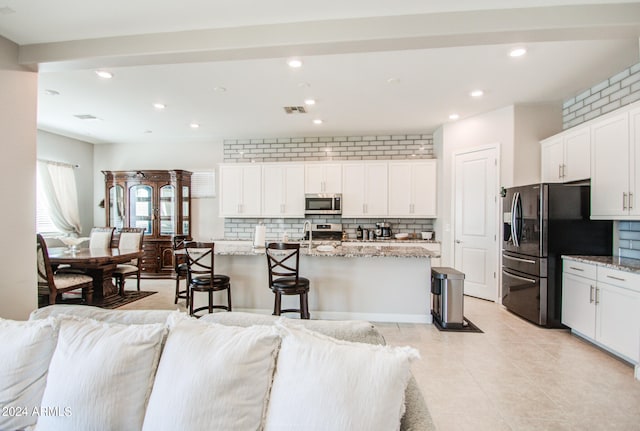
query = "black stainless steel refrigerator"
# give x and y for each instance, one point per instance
(541, 223)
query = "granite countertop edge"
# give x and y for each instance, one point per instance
(339, 251)
(614, 262)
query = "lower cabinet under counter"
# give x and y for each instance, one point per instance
(602, 304)
(377, 289)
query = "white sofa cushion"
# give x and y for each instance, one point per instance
(125, 317)
(100, 375)
(25, 353)
(212, 377)
(326, 384)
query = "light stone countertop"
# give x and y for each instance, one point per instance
(245, 248)
(613, 262)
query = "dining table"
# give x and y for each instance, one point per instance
(99, 263)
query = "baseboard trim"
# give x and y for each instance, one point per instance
(343, 315)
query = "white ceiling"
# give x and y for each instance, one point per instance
(178, 52)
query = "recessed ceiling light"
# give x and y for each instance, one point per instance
(317, 121)
(454, 117)
(309, 101)
(50, 92)
(104, 74)
(393, 81)
(517, 52)
(476, 93)
(219, 89)
(159, 105)
(194, 125)
(294, 63)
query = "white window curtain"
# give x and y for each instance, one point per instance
(58, 183)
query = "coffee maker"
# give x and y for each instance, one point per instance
(383, 230)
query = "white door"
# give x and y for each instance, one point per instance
(475, 248)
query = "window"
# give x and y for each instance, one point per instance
(44, 224)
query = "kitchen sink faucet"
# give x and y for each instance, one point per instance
(307, 225)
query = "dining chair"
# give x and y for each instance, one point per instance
(131, 238)
(201, 276)
(52, 285)
(283, 260)
(101, 237)
(180, 267)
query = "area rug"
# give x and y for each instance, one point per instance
(467, 326)
(113, 301)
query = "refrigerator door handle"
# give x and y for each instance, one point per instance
(519, 278)
(517, 259)
(514, 216)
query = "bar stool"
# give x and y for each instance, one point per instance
(283, 260)
(180, 268)
(201, 277)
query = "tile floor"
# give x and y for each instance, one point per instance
(514, 376)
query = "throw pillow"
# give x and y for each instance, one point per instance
(100, 375)
(212, 377)
(326, 384)
(25, 354)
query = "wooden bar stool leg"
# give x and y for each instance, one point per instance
(210, 301)
(191, 303)
(304, 300)
(175, 301)
(276, 304)
(229, 297)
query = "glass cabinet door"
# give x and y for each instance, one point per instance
(141, 211)
(185, 211)
(116, 206)
(167, 210)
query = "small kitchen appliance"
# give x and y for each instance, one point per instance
(383, 230)
(325, 232)
(322, 203)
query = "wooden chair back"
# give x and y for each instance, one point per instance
(283, 260)
(100, 237)
(178, 242)
(131, 238)
(199, 258)
(45, 272)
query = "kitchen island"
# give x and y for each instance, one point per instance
(350, 281)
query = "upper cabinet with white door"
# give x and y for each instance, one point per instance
(283, 190)
(323, 178)
(615, 148)
(364, 190)
(412, 189)
(240, 187)
(567, 156)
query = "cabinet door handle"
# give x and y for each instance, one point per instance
(624, 201)
(576, 269)
(597, 296)
(559, 171)
(616, 278)
(591, 289)
(630, 200)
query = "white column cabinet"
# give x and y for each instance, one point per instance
(240, 187)
(611, 167)
(604, 308)
(283, 190)
(364, 190)
(567, 157)
(412, 189)
(323, 178)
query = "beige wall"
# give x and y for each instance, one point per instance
(18, 104)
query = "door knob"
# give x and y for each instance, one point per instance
(458, 241)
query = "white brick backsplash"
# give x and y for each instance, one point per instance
(619, 90)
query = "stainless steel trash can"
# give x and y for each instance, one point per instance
(447, 303)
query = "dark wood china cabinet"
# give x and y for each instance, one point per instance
(160, 202)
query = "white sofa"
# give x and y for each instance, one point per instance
(79, 367)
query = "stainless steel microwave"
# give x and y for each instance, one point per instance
(323, 203)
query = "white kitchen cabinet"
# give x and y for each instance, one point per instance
(578, 303)
(323, 178)
(412, 189)
(604, 309)
(282, 190)
(364, 191)
(567, 157)
(240, 189)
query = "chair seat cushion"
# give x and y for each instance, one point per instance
(204, 281)
(64, 281)
(125, 269)
(285, 284)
